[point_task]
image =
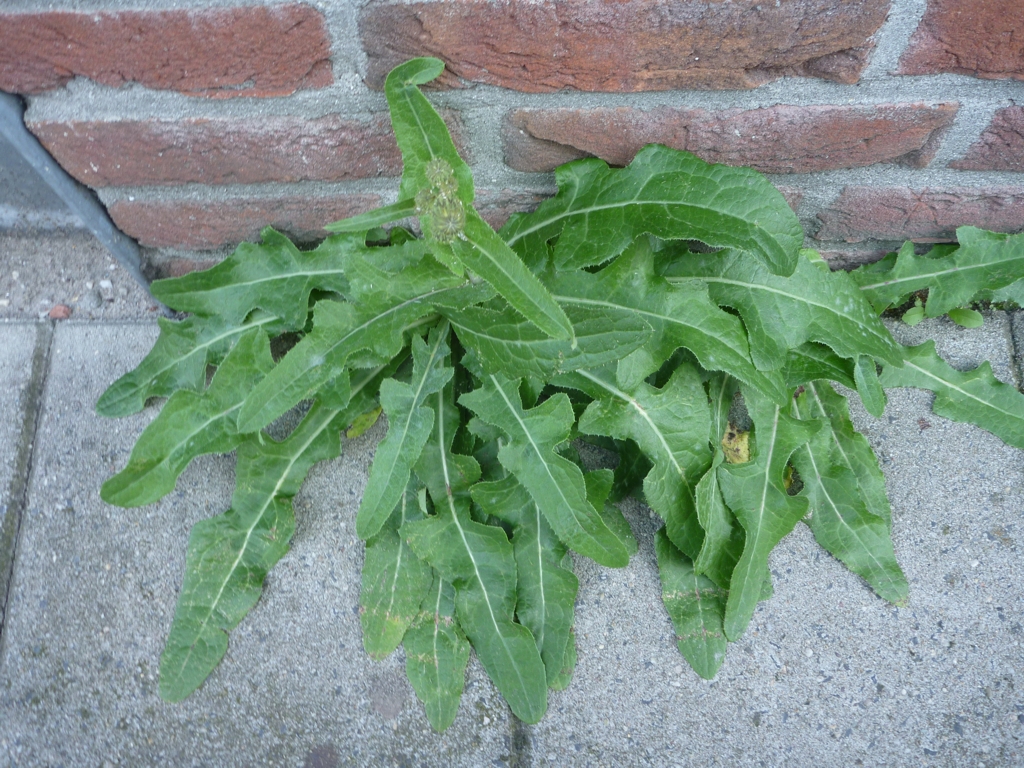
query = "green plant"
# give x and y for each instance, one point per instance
(593, 318)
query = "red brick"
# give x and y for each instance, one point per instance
(182, 267)
(1000, 147)
(225, 151)
(496, 206)
(926, 215)
(207, 225)
(984, 38)
(624, 45)
(243, 51)
(853, 257)
(782, 139)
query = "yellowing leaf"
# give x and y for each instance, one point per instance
(363, 422)
(736, 445)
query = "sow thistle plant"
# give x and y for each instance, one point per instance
(595, 318)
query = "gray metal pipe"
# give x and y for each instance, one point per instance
(77, 197)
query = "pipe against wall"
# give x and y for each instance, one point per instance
(78, 198)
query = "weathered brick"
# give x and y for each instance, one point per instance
(236, 51)
(853, 257)
(925, 215)
(984, 38)
(1000, 147)
(205, 225)
(781, 139)
(624, 45)
(225, 150)
(495, 206)
(180, 267)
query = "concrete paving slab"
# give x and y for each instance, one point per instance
(38, 272)
(1017, 333)
(829, 674)
(19, 396)
(94, 592)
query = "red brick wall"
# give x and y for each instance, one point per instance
(202, 120)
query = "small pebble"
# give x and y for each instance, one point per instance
(91, 300)
(60, 312)
(106, 290)
(808, 652)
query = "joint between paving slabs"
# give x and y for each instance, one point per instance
(1017, 348)
(31, 403)
(520, 744)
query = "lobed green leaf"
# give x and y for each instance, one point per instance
(487, 255)
(696, 606)
(274, 276)
(506, 343)
(410, 422)
(384, 306)
(842, 483)
(976, 397)
(674, 195)
(394, 581)
(671, 425)
(436, 655)
(984, 262)
(177, 361)
(865, 376)
(680, 316)
(812, 361)
(191, 425)
(479, 562)
(723, 535)
(782, 313)
(545, 591)
(230, 554)
(555, 483)
(756, 493)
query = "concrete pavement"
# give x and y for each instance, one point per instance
(827, 674)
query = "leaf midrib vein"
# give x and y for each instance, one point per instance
(838, 514)
(780, 292)
(955, 387)
(283, 276)
(644, 415)
(416, 403)
(569, 212)
(327, 418)
(465, 544)
(755, 544)
(329, 415)
(648, 313)
(929, 275)
(537, 451)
